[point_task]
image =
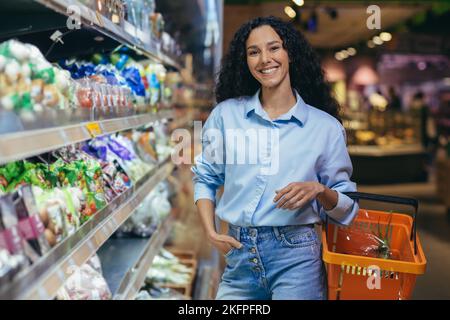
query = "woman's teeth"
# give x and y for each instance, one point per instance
(268, 71)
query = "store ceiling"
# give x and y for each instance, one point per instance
(349, 27)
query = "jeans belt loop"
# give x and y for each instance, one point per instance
(238, 233)
(277, 233)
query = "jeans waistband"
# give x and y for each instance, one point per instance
(239, 232)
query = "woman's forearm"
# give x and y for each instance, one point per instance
(328, 198)
(206, 209)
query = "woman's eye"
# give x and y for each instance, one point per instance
(252, 53)
(274, 48)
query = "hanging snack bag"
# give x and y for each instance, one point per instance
(30, 225)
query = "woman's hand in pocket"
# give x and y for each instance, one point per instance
(296, 194)
(224, 243)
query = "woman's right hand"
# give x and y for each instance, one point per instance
(224, 243)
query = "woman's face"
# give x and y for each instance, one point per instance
(267, 60)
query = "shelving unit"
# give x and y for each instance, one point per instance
(43, 279)
(22, 137)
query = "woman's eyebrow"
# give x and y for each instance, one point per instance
(268, 44)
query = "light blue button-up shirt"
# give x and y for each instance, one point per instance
(252, 156)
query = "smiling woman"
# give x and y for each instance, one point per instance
(270, 81)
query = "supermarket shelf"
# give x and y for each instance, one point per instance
(126, 260)
(23, 144)
(118, 256)
(43, 279)
(126, 34)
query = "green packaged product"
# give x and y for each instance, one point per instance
(21, 180)
(3, 181)
(46, 73)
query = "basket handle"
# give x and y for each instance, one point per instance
(391, 199)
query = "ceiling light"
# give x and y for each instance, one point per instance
(370, 44)
(344, 54)
(351, 51)
(385, 36)
(377, 40)
(99, 38)
(290, 12)
(422, 65)
(338, 56)
(299, 2)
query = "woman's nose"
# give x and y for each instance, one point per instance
(265, 57)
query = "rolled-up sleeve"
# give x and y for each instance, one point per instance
(335, 172)
(209, 167)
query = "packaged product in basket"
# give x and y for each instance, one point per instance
(30, 225)
(371, 239)
(85, 283)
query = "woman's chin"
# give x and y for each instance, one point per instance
(270, 84)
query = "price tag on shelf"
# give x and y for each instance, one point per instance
(94, 129)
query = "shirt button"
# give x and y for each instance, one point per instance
(255, 260)
(253, 250)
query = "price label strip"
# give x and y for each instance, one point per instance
(94, 129)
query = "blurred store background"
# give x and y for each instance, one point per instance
(393, 85)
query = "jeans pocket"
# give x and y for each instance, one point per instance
(298, 237)
(226, 255)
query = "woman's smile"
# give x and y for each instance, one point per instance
(268, 71)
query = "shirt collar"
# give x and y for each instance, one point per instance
(299, 111)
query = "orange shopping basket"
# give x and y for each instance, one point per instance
(356, 277)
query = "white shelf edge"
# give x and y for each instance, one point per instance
(24, 144)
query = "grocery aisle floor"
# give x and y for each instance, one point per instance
(434, 232)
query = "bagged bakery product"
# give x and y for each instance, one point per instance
(85, 283)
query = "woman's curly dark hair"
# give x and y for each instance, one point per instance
(305, 71)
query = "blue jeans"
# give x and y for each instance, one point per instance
(280, 263)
